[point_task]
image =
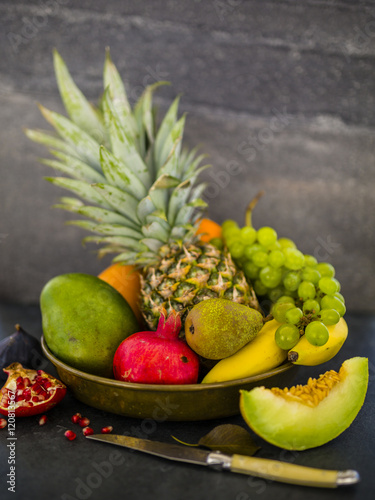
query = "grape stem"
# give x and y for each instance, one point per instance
(251, 207)
(269, 317)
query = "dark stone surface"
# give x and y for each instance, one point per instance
(241, 65)
(48, 466)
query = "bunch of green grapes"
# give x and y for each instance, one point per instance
(305, 294)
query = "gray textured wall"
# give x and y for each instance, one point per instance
(282, 90)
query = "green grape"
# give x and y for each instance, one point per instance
(310, 260)
(237, 250)
(332, 302)
(317, 333)
(279, 309)
(326, 269)
(311, 306)
(287, 336)
(294, 259)
(329, 316)
(260, 258)
(275, 246)
(270, 277)
(285, 299)
(217, 242)
(253, 249)
(228, 224)
(328, 285)
(276, 258)
(294, 315)
(306, 290)
(291, 281)
(338, 284)
(232, 240)
(275, 294)
(259, 288)
(286, 243)
(266, 236)
(339, 296)
(248, 235)
(310, 274)
(251, 270)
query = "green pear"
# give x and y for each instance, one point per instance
(217, 328)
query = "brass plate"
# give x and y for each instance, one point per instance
(164, 402)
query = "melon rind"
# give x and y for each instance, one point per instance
(295, 426)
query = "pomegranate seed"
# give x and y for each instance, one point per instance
(19, 380)
(70, 435)
(20, 386)
(76, 417)
(26, 381)
(35, 399)
(87, 431)
(3, 423)
(47, 384)
(43, 419)
(84, 422)
(107, 430)
(40, 372)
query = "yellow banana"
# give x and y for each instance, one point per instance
(258, 356)
(307, 354)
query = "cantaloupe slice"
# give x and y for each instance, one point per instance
(311, 415)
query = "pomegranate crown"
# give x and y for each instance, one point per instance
(169, 326)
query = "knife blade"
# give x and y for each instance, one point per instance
(260, 467)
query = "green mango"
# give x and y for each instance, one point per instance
(84, 320)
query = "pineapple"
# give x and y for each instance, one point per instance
(139, 188)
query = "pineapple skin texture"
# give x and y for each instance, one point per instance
(189, 274)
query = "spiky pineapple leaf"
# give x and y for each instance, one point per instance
(156, 230)
(122, 202)
(72, 202)
(172, 141)
(113, 82)
(177, 200)
(106, 229)
(84, 144)
(185, 213)
(73, 167)
(143, 114)
(165, 129)
(123, 145)
(50, 140)
(145, 208)
(152, 243)
(82, 189)
(96, 213)
(121, 241)
(118, 174)
(79, 109)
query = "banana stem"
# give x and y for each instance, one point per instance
(251, 207)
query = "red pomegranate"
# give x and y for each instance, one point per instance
(29, 392)
(157, 357)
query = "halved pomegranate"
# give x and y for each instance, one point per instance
(29, 392)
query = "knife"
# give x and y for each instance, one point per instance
(260, 467)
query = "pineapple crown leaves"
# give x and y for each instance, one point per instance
(131, 177)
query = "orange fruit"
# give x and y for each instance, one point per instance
(208, 229)
(126, 280)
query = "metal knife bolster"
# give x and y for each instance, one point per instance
(219, 461)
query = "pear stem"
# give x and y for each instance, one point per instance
(251, 207)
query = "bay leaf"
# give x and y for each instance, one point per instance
(228, 439)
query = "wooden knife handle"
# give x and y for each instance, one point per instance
(285, 472)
